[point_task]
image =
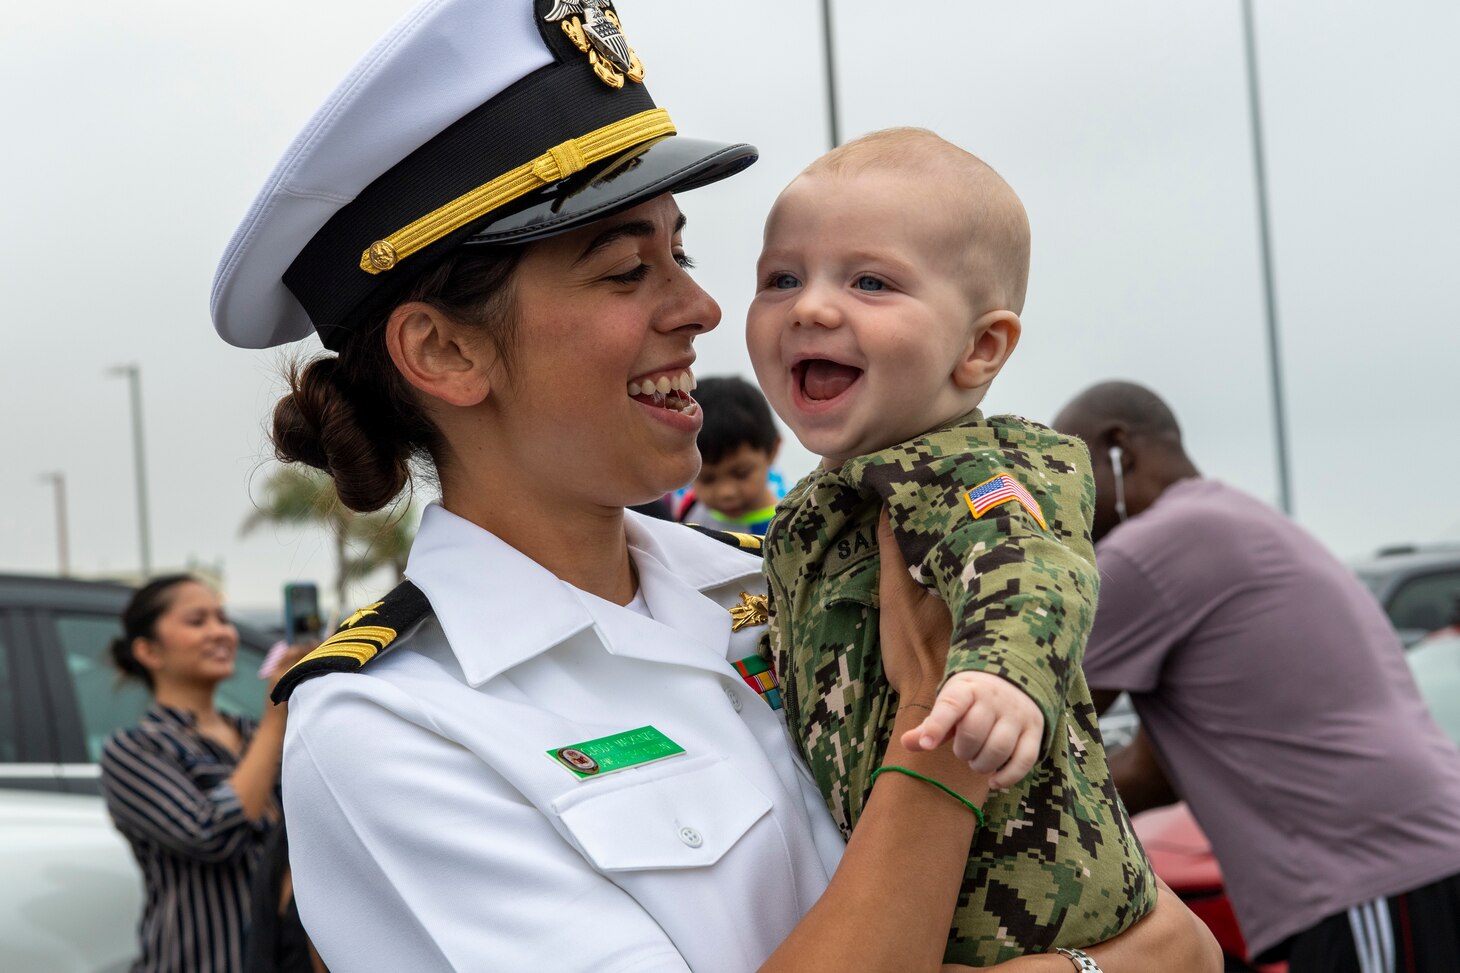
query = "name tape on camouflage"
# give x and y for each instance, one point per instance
(631, 748)
(850, 549)
(1003, 489)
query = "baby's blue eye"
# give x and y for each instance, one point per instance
(784, 281)
(869, 284)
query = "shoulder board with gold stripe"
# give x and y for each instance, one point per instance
(748, 543)
(360, 638)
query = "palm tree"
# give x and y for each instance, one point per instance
(386, 536)
(294, 495)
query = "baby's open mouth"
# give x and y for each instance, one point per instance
(666, 392)
(822, 379)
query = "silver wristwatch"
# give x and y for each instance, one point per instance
(1081, 959)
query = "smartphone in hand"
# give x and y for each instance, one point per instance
(301, 621)
(301, 611)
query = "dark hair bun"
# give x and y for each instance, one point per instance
(125, 662)
(321, 424)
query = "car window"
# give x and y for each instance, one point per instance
(104, 701)
(107, 703)
(1425, 603)
(9, 738)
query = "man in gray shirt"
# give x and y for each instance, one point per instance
(1275, 700)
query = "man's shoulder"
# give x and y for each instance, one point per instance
(1197, 531)
(1187, 507)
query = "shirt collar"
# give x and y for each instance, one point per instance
(853, 471)
(171, 716)
(499, 608)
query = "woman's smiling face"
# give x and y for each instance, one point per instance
(596, 402)
(193, 641)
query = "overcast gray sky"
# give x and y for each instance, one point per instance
(136, 134)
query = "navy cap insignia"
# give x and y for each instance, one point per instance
(594, 28)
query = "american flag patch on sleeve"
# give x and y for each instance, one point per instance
(1002, 489)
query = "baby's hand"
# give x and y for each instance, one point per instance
(995, 726)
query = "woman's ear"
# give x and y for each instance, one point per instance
(438, 356)
(147, 653)
(990, 344)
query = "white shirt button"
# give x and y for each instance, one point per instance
(734, 698)
(691, 837)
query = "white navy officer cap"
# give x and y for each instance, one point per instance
(472, 123)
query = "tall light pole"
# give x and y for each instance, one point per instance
(828, 42)
(133, 374)
(1274, 358)
(57, 481)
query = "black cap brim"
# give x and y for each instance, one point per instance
(673, 164)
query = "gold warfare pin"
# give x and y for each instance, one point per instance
(752, 610)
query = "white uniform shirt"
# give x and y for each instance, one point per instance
(430, 829)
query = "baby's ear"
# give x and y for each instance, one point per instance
(989, 346)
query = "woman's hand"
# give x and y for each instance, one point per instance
(915, 626)
(286, 661)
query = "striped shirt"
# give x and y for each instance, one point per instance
(166, 786)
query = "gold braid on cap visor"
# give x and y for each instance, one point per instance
(556, 163)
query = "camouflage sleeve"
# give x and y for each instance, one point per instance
(1022, 603)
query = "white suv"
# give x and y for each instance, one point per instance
(1418, 585)
(71, 893)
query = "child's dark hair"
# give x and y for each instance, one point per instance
(736, 414)
(139, 621)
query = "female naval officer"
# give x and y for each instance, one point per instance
(552, 748)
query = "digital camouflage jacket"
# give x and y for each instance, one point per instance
(1058, 863)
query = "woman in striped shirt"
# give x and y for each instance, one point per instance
(192, 789)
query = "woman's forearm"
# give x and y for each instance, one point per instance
(890, 904)
(257, 772)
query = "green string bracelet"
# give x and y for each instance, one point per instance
(977, 811)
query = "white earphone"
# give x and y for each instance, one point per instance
(1116, 458)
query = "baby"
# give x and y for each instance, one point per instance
(888, 299)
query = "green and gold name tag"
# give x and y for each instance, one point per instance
(594, 758)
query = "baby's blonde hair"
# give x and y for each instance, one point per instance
(987, 209)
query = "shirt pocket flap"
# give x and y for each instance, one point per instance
(857, 585)
(686, 819)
